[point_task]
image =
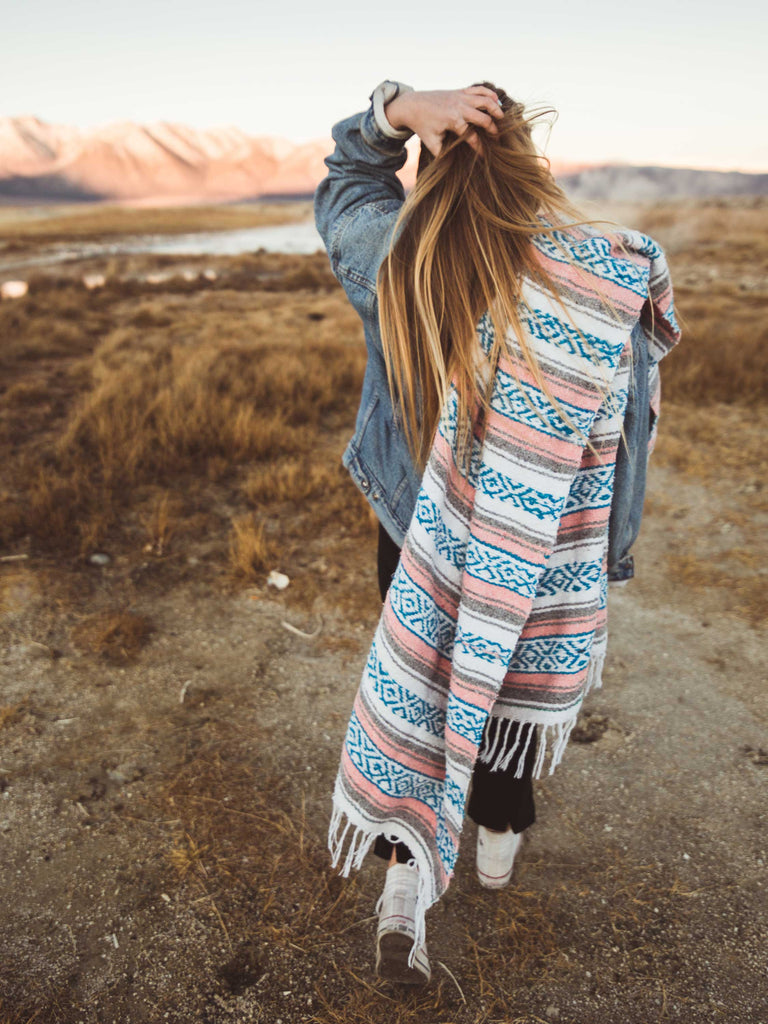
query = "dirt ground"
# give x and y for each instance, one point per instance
(640, 894)
(163, 814)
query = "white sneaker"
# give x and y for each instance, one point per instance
(496, 856)
(397, 929)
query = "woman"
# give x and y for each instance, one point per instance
(500, 341)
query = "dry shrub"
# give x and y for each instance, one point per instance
(723, 356)
(290, 480)
(62, 511)
(249, 549)
(161, 522)
(25, 392)
(716, 442)
(117, 636)
(169, 411)
(219, 393)
(48, 323)
(148, 317)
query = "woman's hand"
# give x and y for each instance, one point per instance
(432, 113)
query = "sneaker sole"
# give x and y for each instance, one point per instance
(392, 961)
(488, 882)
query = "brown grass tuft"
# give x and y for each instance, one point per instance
(249, 549)
(11, 713)
(116, 636)
(161, 522)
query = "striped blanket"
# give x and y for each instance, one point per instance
(498, 605)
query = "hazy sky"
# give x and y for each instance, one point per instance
(673, 82)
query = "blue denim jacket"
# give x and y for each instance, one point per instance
(356, 207)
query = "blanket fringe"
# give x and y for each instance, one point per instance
(552, 739)
(594, 679)
(552, 736)
(358, 839)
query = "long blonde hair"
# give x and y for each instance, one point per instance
(462, 247)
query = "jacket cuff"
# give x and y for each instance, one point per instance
(378, 132)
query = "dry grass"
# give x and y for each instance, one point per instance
(718, 253)
(249, 549)
(248, 856)
(143, 418)
(116, 636)
(736, 571)
(11, 713)
(96, 220)
(173, 403)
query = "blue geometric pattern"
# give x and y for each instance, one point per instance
(524, 403)
(594, 255)
(537, 503)
(387, 774)
(489, 564)
(446, 849)
(454, 795)
(465, 719)
(546, 327)
(591, 488)
(419, 614)
(401, 702)
(571, 578)
(446, 543)
(603, 591)
(557, 655)
(482, 648)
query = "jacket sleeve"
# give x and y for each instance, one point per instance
(357, 204)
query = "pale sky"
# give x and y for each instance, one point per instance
(672, 82)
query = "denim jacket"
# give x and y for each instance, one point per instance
(356, 206)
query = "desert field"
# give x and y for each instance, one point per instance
(170, 724)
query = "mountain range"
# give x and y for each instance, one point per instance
(171, 163)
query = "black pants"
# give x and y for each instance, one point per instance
(497, 799)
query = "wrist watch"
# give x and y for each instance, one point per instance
(383, 93)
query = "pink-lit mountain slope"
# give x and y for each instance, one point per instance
(173, 163)
(125, 160)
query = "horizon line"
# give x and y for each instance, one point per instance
(582, 162)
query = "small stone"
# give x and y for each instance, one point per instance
(13, 289)
(553, 1012)
(278, 580)
(99, 558)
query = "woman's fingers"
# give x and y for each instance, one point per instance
(476, 115)
(494, 103)
(460, 111)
